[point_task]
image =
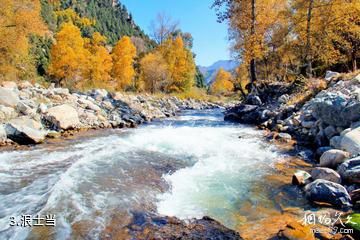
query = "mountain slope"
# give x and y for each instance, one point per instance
(211, 71)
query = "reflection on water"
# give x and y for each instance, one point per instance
(188, 166)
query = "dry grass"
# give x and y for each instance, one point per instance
(311, 88)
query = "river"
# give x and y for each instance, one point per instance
(188, 166)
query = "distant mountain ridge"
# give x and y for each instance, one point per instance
(211, 71)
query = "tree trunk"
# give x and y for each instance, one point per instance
(253, 62)
(308, 40)
(353, 60)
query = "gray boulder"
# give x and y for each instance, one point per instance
(350, 170)
(63, 117)
(330, 75)
(335, 142)
(325, 174)
(332, 158)
(8, 97)
(330, 131)
(350, 142)
(323, 191)
(25, 131)
(336, 109)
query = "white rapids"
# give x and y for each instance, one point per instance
(208, 167)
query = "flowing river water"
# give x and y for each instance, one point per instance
(188, 166)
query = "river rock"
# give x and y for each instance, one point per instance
(25, 131)
(337, 109)
(252, 99)
(330, 131)
(2, 133)
(350, 170)
(333, 157)
(323, 191)
(63, 117)
(24, 84)
(8, 97)
(330, 75)
(247, 114)
(148, 226)
(9, 84)
(325, 174)
(284, 137)
(296, 231)
(89, 105)
(300, 178)
(335, 142)
(7, 113)
(350, 142)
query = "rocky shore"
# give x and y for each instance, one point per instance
(31, 113)
(325, 126)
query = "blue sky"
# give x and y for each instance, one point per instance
(195, 16)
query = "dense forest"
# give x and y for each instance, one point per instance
(280, 40)
(91, 44)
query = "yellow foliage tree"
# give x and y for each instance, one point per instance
(70, 16)
(123, 56)
(325, 29)
(18, 19)
(154, 72)
(69, 57)
(223, 83)
(98, 69)
(252, 23)
(180, 63)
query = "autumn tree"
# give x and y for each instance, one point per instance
(223, 83)
(180, 63)
(123, 56)
(18, 19)
(252, 24)
(69, 57)
(99, 65)
(154, 72)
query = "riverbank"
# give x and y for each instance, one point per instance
(29, 114)
(322, 118)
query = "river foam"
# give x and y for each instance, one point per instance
(207, 165)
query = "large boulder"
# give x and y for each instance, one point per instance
(25, 131)
(323, 191)
(350, 141)
(8, 97)
(350, 170)
(63, 117)
(332, 158)
(325, 174)
(247, 114)
(336, 110)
